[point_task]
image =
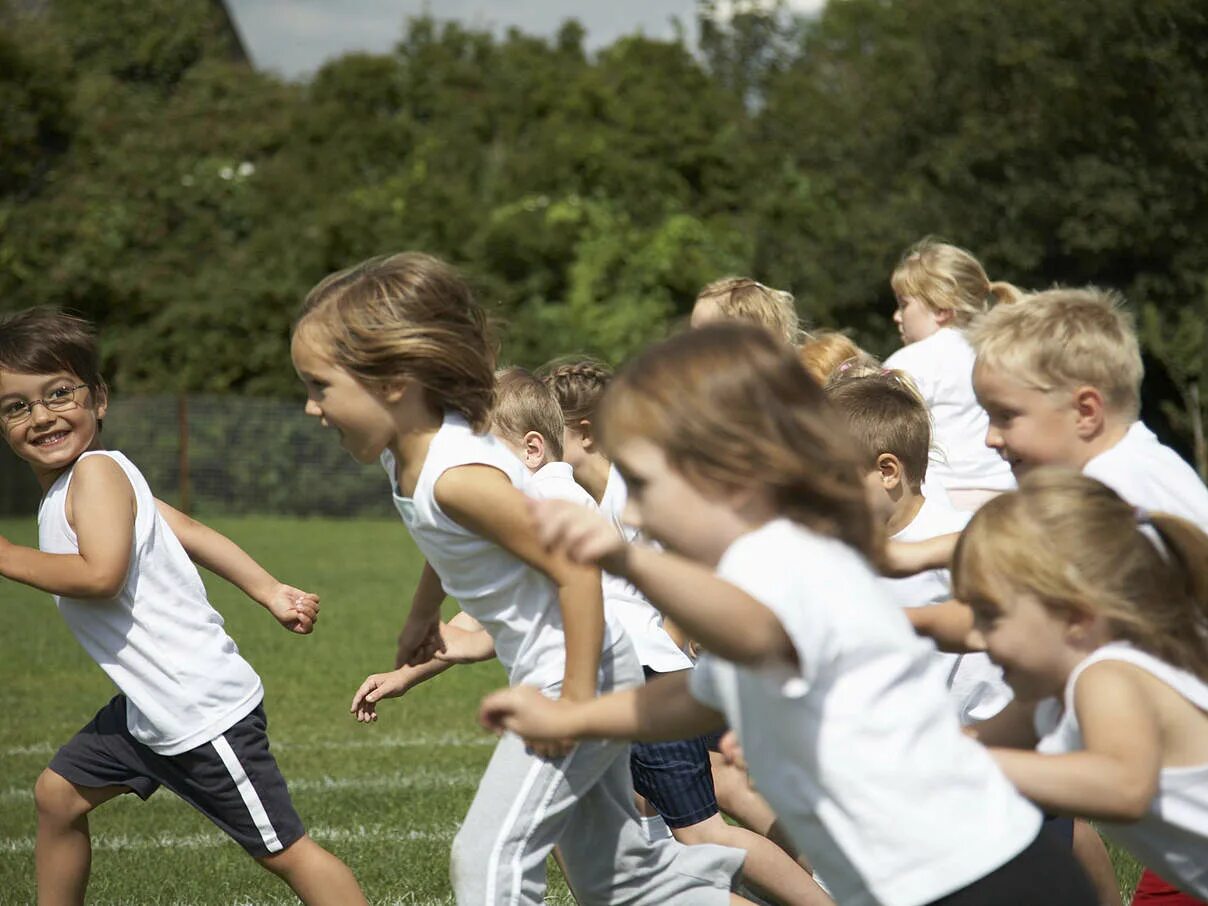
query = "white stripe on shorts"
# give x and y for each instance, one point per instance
(250, 797)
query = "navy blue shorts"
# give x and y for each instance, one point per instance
(675, 777)
(233, 779)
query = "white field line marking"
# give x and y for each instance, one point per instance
(381, 742)
(422, 779)
(371, 833)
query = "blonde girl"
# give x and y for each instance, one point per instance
(744, 299)
(940, 290)
(737, 465)
(1098, 614)
(396, 357)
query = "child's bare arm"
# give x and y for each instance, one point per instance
(721, 617)
(948, 623)
(1116, 776)
(663, 709)
(1011, 728)
(907, 558)
(101, 509)
(420, 639)
(483, 500)
(295, 609)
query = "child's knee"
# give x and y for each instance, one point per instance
(57, 798)
(289, 859)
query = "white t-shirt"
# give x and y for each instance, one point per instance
(975, 685)
(858, 747)
(556, 481)
(942, 367)
(642, 622)
(515, 603)
(1172, 838)
(1147, 473)
(159, 640)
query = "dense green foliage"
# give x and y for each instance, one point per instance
(187, 202)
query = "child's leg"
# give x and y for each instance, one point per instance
(63, 851)
(314, 874)
(1092, 856)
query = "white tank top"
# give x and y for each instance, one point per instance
(1172, 838)
(515, 603)
(159, 640)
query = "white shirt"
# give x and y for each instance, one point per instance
(942, 367)
(515, 603)
(641, 621)
(1172, 838)
(159, 640)
(975, 685)
(858, 748)
(1147, 473)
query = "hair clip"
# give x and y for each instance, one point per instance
(1141, 515)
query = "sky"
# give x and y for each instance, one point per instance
(295, 37)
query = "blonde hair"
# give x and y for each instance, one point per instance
(1074, 544)
(945, 277)
(1064, 338)
(744, 299)
(824, 351)
(886, 414)
(524, 404)
(407, 316)
(577, 385)
(729, 404)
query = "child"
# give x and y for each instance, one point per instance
(395, 356)
(1097, 613)
(189, 713)
(889, 423)
(744, 299)
(735, 461)
(940, 290)
(674, 776)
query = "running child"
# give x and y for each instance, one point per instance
(735, 462)
(189, 713)
(940, 290)
(1098, 613)
(394, 354)
(675, 776)
(892, 432)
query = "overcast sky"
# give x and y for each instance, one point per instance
(294, 37)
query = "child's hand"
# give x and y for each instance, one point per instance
(464, 646)
(296, 610)
(374, 689)
(583, 536)
(419, 642)
(908, 558)
(523, 710)
(731, 750)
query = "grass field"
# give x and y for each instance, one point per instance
(386, 798)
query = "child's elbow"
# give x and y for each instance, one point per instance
(103, 586)
(1131, 802)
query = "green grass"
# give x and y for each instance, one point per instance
(386, 798)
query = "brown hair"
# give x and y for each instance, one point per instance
(407, 316)
(1063, 338)
(945, 277)
(1073, 543)
(824, 351)
(886, 414)
(730, 404)
(578, 384)
(744, 299)
(524, 404)
(44, 341)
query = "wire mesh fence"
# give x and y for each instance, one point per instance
(226, 455)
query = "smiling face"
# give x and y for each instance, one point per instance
(361, 416)
(916, 321)
(1028, 427)
(50, 440)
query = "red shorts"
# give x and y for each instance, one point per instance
(1153, 891)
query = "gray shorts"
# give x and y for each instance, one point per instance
(584, 804)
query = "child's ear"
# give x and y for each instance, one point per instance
(944, 317)
(1089, 410)
(588, 437)
(534, 450)
(890, 469)
(100, 395)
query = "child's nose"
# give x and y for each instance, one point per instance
(312, 408)
(993, 438)
(897, 316)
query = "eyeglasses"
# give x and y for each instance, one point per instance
(58, 400)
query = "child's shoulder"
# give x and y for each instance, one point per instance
(934, 354)
(1149, 474)
(936, 517)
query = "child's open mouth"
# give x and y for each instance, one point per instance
(50, 440)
